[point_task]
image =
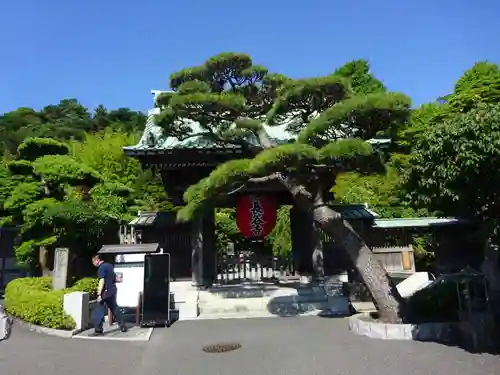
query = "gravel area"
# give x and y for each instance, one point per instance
(299, 345)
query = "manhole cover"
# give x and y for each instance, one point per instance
(222, 347)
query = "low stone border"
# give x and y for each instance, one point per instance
(364, 324)
(45, 330)
(142, 338)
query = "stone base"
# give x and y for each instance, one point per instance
(363, 324)
(185, 298)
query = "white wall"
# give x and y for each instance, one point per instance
(131, 268)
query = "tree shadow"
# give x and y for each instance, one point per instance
(309, 300)
(450, 335)
(242, 290)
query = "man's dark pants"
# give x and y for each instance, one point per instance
(101, 310)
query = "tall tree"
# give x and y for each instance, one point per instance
(103, 152)
(235, 101)
(63, 121)
(57, 201)
(456, 137)
(480, 84)
(17, 125)
(455, 169)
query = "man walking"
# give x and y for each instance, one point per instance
(106, 297)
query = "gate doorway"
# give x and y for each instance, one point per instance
(246, 266)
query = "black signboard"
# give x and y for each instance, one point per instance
(156, 292)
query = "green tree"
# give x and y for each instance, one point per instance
(103, 152)
(235, 101)
(100, 119)
(480, 84)
(126, 120)
(362, 81)
(226, 230)
(15, 126)
(425, 117)
(455, 167)
(66, 120)
(56, 201)
(280, 238)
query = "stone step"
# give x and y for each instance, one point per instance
(246, 307)
(185, 298)
(250, 315)
(253, 300)
(204, 300)
(187, 310)
(218, 294)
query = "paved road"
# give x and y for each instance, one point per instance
(301, 345)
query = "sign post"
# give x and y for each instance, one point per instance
(156, 291)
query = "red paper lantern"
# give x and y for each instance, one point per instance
(255, 215)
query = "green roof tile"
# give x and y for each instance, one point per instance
(153, 137)
(421, 222)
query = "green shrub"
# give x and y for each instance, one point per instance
(33, 300)
(87, 285)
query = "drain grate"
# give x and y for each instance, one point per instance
(221, 347)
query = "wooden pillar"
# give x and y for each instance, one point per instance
(203, 250)
(208, 259)
(301, 225)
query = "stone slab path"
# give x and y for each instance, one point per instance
(113, 333)
(299, 345)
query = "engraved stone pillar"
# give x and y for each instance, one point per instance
(60, 272)
(317, 252)
(197, 251)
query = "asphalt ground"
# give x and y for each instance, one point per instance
(298, 345)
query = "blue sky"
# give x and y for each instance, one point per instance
(114, 52)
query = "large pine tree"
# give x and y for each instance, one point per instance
(234, 101)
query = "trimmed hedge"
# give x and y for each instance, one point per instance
(32, 300)
(87, 285)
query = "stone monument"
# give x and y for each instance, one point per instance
(60, 273)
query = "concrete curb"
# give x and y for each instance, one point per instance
(75, 332)
(365, 325)
(144, 338)
(45, 330)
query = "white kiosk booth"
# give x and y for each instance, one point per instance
(129, 270)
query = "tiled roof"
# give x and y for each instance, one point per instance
(422, 222)
(153, 138)
(354, 211)
(143, 248)
(146, 219)
(151, 218)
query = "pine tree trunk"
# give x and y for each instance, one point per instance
(389, 303)
(387, 300)
(384, 293)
